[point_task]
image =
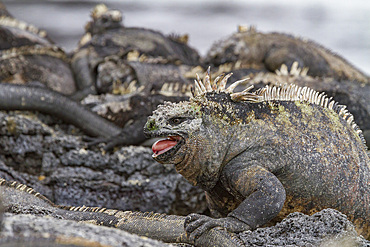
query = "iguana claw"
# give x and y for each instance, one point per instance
(196, 225)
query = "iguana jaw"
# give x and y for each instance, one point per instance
(165, 149)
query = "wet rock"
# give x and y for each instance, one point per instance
(325, 228)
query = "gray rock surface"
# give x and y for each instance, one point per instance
(326, 228)
(35, 231)
(60, 166)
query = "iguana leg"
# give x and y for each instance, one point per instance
(262, 197)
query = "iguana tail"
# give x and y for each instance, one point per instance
(31, 98)
(166, 228)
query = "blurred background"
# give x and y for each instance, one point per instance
(343, 26)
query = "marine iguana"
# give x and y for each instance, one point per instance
(266, 190)
(261, 155)
(108, 45)
(28, 55)
(249, 48)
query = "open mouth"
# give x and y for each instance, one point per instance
(166, 145)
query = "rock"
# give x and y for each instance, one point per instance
(59, 166)
(328, 227)
(31, 230)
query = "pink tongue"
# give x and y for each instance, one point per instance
(162, 146)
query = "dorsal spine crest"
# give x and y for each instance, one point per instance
(285, 92)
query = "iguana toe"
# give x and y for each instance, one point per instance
(196, 225)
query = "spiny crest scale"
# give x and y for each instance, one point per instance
(219, 85)
(294, 70)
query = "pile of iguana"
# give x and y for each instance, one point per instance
(110, 56)
(148, 72)
(144, 65)
(150, 67)
(257, 155)
(29, 57)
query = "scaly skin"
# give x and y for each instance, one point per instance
(168, 228)
(262, 155)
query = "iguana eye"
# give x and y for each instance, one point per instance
(177, 120)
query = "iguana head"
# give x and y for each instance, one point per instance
(177, 122)
(191, 136)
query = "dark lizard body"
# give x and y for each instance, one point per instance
(46, 65)
(16, 33)
(109, 46)
(353, 94)
(27, 55)
(249, 48)
(260, 156)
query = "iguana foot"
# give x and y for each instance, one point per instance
(196, 225)
(110, 142)
(93, 141)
